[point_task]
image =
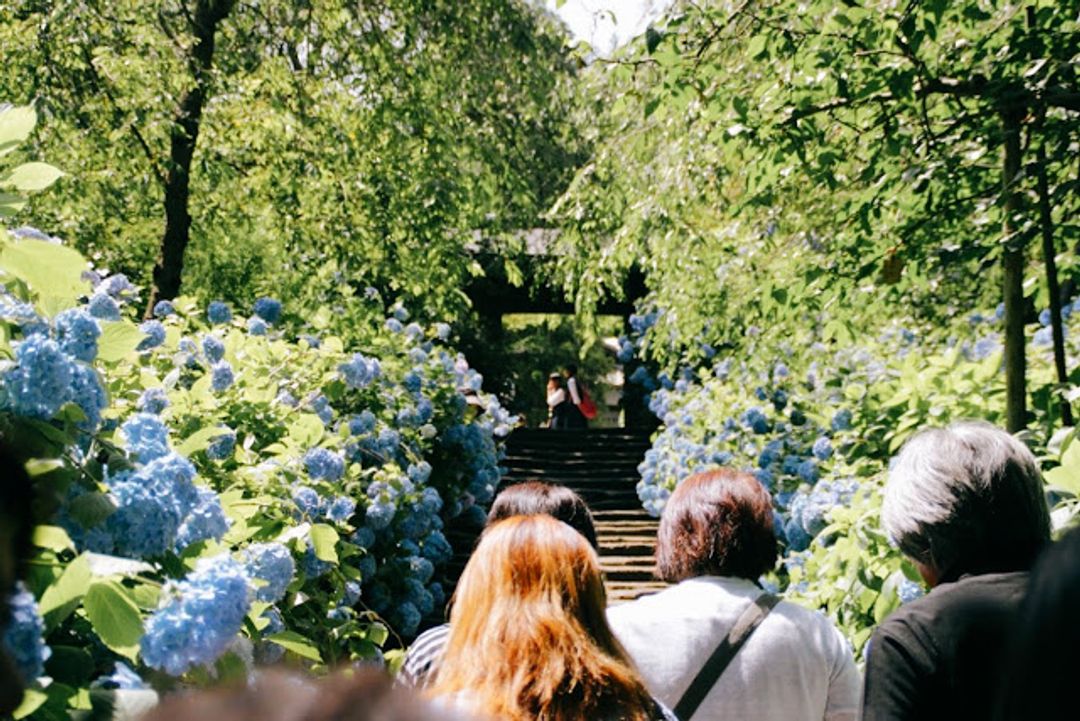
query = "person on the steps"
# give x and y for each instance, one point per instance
(557, 401)
(715, 540)
(575, 418)
(529, 639)
(521, 499)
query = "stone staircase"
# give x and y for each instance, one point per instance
(600, 465)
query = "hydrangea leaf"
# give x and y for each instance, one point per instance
(31, 176)
(115, 617)
(119, 339)
(198, 440)
(307, 430)
(32, 701)
(294, 642)
(1066, 477)
(53, 272)
(10, 204)
(324, 539)
(63, 595)
(53, 538)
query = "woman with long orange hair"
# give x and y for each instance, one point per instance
(530, 639)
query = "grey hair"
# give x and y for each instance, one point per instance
(966, 499)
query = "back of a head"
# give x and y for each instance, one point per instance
(363, 695)
(966, 499)
(529, 636)
(716, 523)
(534, 497)
(1042, 661)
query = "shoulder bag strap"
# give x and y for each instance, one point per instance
(710, 673)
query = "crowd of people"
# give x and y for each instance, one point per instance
(530, 635)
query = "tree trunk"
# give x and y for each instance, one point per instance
(1013, 279)
(1046, 225)
(169, 267)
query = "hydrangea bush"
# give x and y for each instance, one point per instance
(816, 420)
(226, 488)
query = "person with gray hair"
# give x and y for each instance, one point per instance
(966, 504)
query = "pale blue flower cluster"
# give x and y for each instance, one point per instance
(257, 326)
(198, 617)
(221, 376)
(360, 371)
(163, 309)
(324, 464)
(151, 504)
(222, 446)
(205, 521)
(213, 348)
(23, 636)
(153, 400)
(218, 312)
(103, 307)
(41, 380)
(77, 332)
(154, 333)
(273, 564)
(147, 437)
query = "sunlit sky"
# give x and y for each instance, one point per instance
(606, 24)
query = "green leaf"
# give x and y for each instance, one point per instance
(199, 440)
(32, 701)
(62, 596)
(16, 124)
(53, 538)
(306, 430)
(53, 272)
(90, 509)
(294, 642)
(10, 204)
(1066, 477)
(324, 538)
(30, 177)
(115, 617)
(118, 340)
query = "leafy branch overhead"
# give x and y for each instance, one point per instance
(16, 124)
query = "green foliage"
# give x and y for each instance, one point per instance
(342, 145)
(16, 124)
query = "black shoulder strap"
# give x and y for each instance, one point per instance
(710, 673)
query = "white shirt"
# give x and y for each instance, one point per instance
(575, 394)
(555, 397)
(795, 667)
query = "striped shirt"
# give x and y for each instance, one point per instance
(424, 657)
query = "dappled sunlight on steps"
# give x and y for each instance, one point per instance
(601, 465)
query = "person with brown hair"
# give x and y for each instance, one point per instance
(529, 638)
(713, 646)
(521, 499)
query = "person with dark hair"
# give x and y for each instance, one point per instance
(1041, 664)
(360, 695)
(529, 498)
(557, 401)
(16, 527)
(529, 637)
(713, 646)
(575, 418)
(966, 504)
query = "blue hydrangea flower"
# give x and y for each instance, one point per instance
(341, 509)
(257, 326)
(267, 652)
(268, 309)
(841, 420)
(153, 400)
(213, 348)
(1044, 337)
(222, 446)
(380, 514)
(272, 563)
(417, 595)
(414, 332)
(363, 537)
(116, 285)
(1045, 317)
(88, 393)
(155, 334)
(430, 500)
(394, 325)
(413, 382)
(198, 617)
(313, 566)
(400, 313)
(147, 437)
(163, 309)
(363, 423)
(442, 331)
(822, 449)
(320, 404)
(206, 521)
(360, 371)
(23, 637)
(367, 567)
(151, 503)
(808, 470)
(307, 501)
(324, 464)
(419, 473)
(221, 376)
(78, 332)
(406, 618)
(352, 593)
(421, 568)
(436, 548)
(218, 313)
(40, 381)
(908, 591)
(103, 306)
